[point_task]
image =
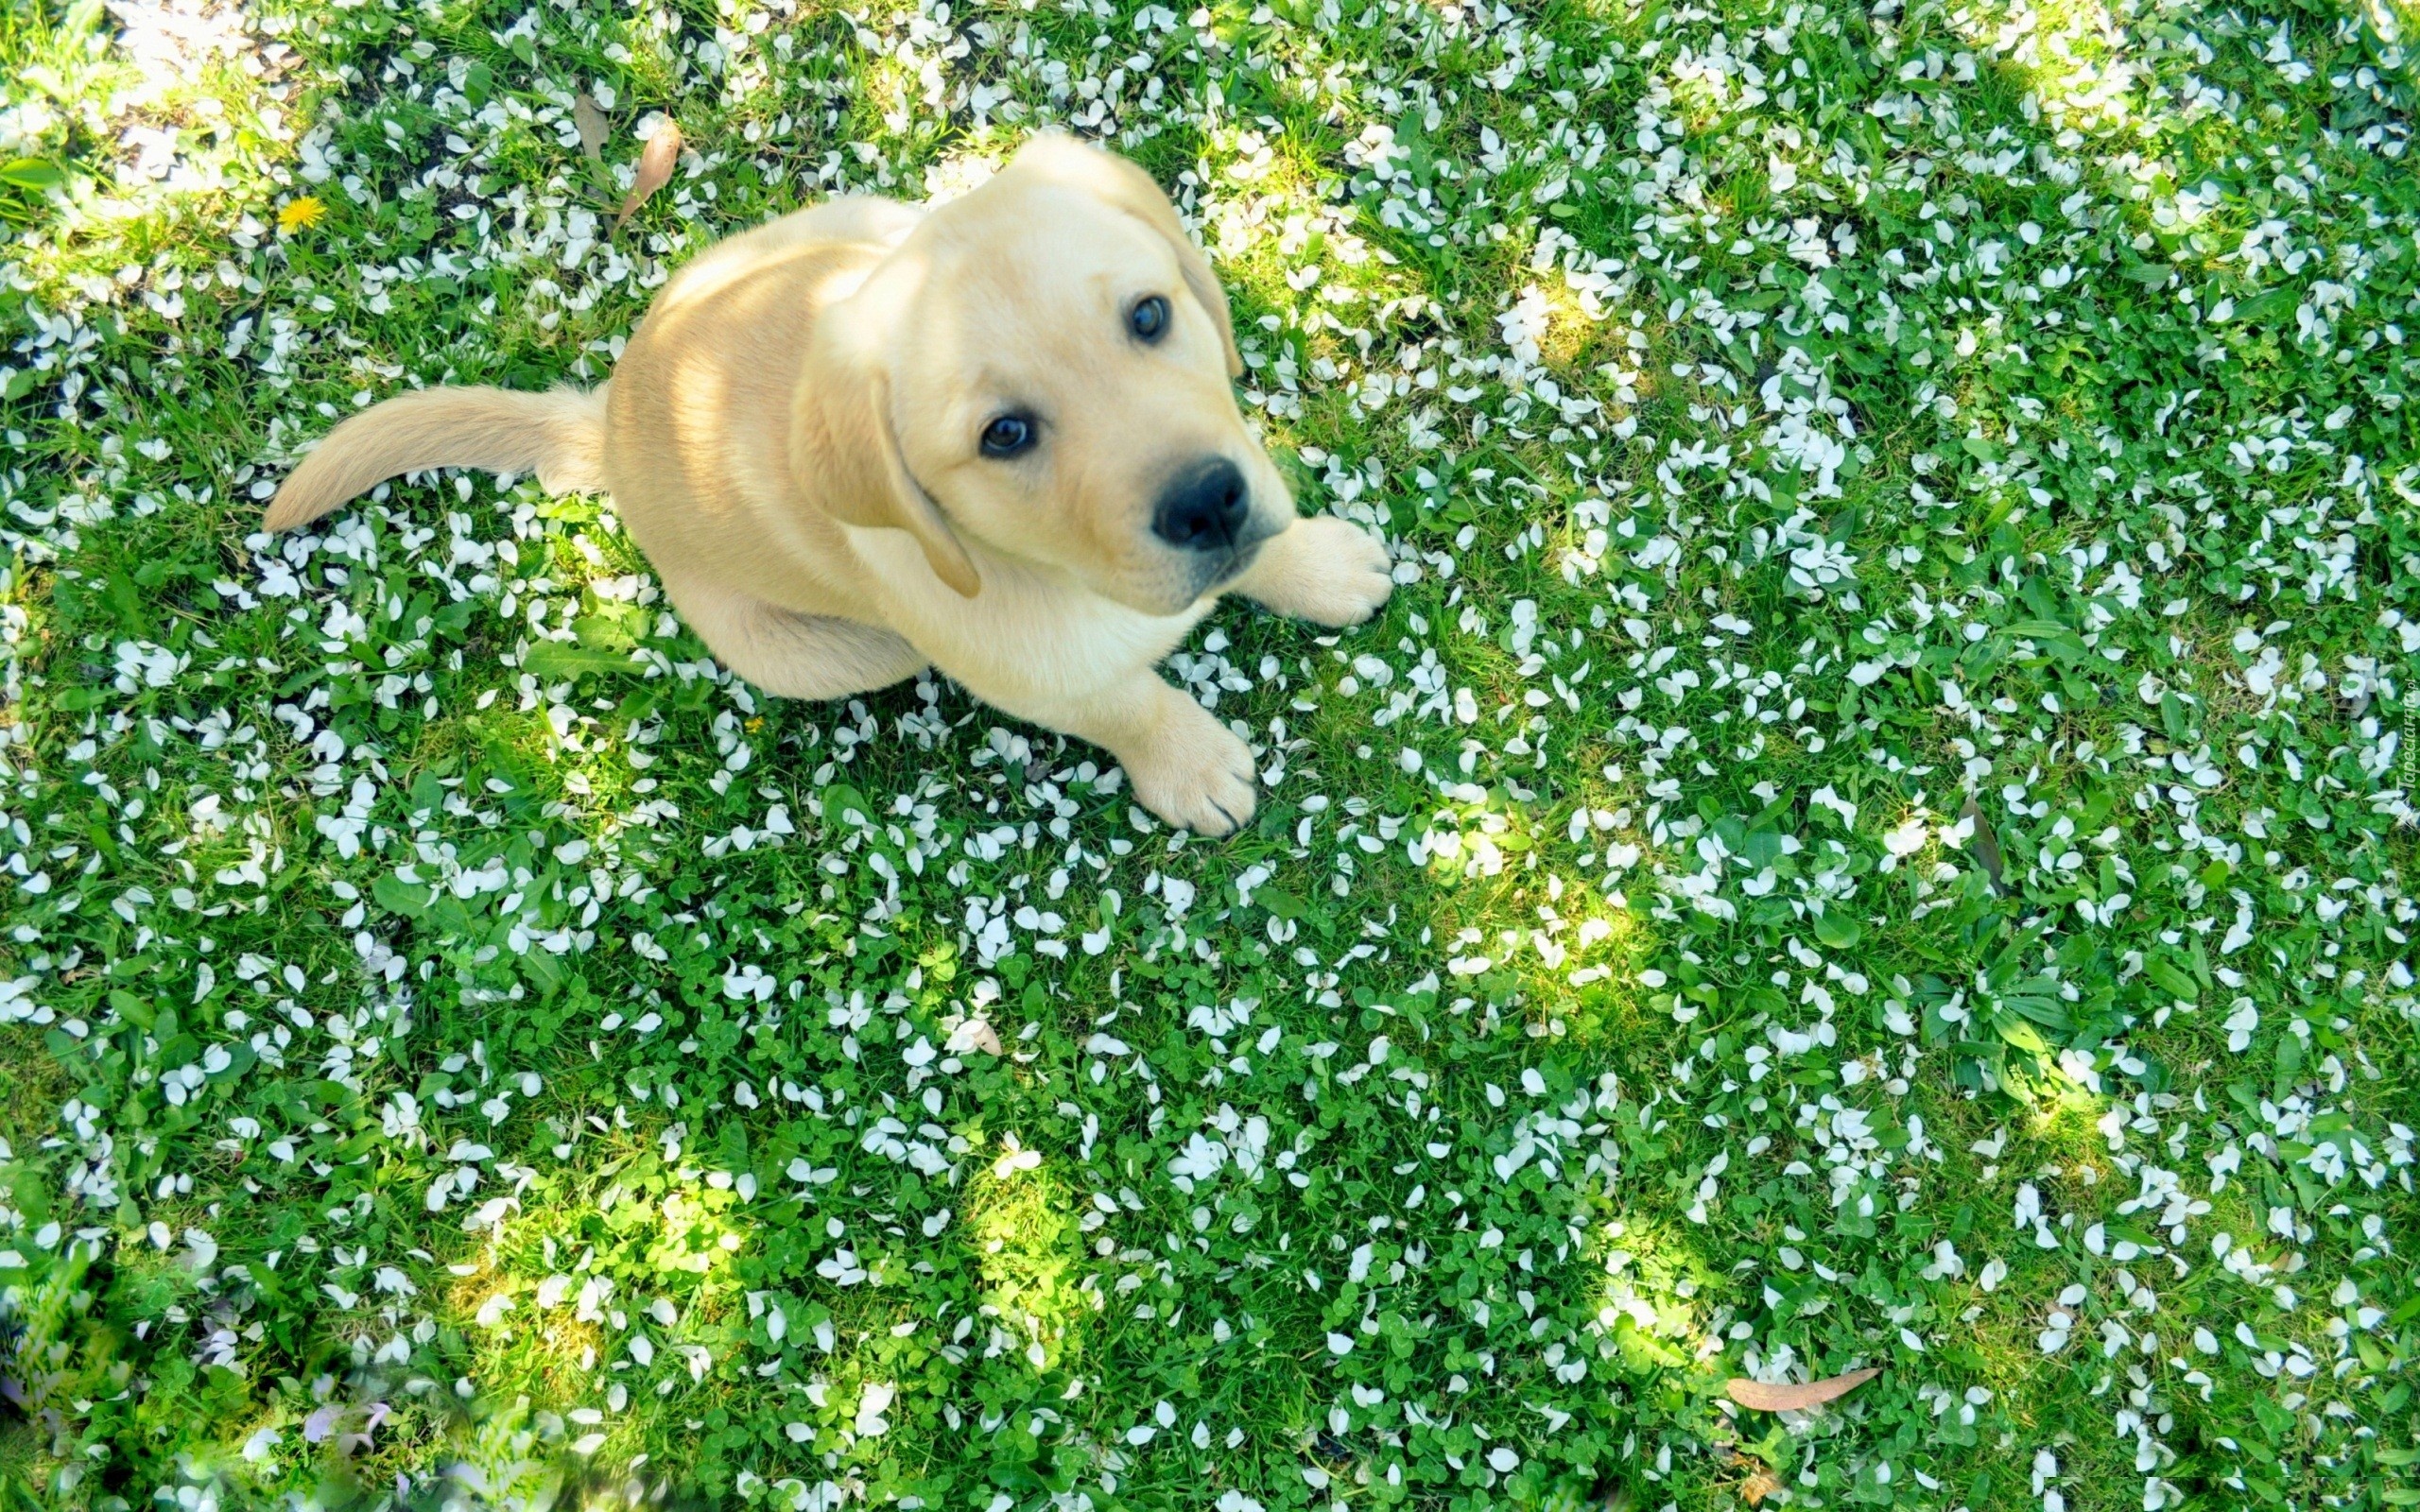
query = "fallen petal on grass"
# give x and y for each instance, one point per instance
(974, 1034)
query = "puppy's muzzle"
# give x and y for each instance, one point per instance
(1204, 508)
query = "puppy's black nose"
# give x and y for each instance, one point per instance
(1204, 508)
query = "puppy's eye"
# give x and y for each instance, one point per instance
(1149, 319)
(1006, 435)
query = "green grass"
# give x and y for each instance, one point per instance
(1900, 714)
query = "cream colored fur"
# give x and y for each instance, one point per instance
(792, 438)
(559, 434)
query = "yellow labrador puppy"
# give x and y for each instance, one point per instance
(997, 438)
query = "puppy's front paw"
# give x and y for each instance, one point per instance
(1193, 772)
(1330, 571)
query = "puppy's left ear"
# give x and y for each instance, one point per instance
(1065, 160)
(845, 455)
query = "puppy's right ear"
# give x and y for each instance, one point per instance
(844, 451)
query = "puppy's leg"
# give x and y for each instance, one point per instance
(1321, 569)
(1187, 767)
(795, 655)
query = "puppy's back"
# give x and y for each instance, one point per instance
(697, 430)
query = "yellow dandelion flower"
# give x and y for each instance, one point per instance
(299, 213)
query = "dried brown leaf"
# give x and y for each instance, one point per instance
(655, 169)
(1757, 1486)
(1987, 848)
(591, 123)
(1795, 1396)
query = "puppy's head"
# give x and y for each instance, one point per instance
(1051, 358)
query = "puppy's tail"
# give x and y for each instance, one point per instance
(559, 435)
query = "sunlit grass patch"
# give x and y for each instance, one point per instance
(1021, 1223)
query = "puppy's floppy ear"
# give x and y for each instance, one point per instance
(844, 453)
(1062, 159)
